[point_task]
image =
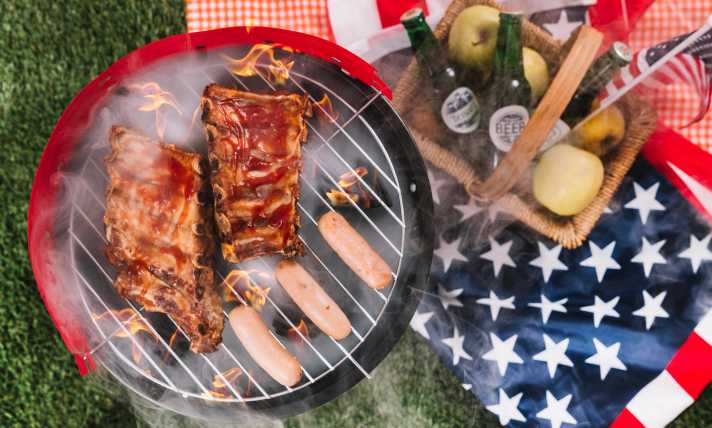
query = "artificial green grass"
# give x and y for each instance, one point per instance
(49, 50)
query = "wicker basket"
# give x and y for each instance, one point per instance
(570, 231)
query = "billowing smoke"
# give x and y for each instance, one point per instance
(149, 356)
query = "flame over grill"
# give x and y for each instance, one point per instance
(132, 327)
(220, 386)
(325, 112)
(297, 339)
(156, 99)
(353, 189)
(239, 281)
(276, 71)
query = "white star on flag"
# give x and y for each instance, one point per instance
(493, 209)
(601, 259)
(548, 260)
(435, 185)
(602, 309)
(418, 323)
(652, 308)
(606, 358)
(698, 251)
(495, 304)
(467, 386)
(499, 255)
(468, 210)
(650, 255)
(449, 252)
(448, 298)
(507, 408)
(554, 354)
(548, 307)
(555, 411)
(607, 210)
(503, 353)
(645, 200)
(562, 30)
(456, 343)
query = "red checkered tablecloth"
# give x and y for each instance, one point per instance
(306, 16)
(677, 104)
(665, 19)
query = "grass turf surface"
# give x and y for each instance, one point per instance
(49, 50)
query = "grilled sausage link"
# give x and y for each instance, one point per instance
(263, 347)
(355, 251)
(312, 299)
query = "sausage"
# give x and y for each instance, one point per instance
(355, 251)
(312, 299)
(263, 347)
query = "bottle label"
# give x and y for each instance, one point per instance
(506, 124)
(559, 131)
(460, 111)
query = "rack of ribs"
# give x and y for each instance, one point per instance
(254, 147)
(159, 227)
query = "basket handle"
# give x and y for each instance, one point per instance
(552, 105)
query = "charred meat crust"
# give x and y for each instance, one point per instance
(186, 291)
(217, 132)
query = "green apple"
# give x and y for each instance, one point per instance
(473, 37)
(536, 72)
(567, 179)
(472, 42)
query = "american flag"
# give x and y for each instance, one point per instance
(590, 337)
(692, 66)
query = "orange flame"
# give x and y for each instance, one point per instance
(156, 99)
(170, 345)
(340, 199)
(297, 339)
(132, 326)
(352, 189)
(276, 71)
(195, 113)
(349, 179)
(220, 389)
(325, 113)
(238, 281)
(122, 316)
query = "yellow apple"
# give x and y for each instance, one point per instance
(536, 72)
(473, 37)
(567, 179)
(603, 132)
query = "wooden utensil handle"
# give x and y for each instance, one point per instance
(562, 89)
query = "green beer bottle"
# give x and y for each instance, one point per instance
(453, 103)
(597, 77)
(603, 69)
(507, 96)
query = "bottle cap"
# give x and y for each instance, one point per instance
(512, 14)
(413, 17)
(621, 53)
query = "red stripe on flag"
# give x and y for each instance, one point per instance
(627, 420)
(390, 11)
(633, 67)
(666, 145)
(691, 366)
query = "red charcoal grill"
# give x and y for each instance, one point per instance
(146, 351)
